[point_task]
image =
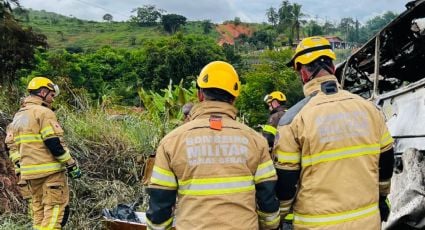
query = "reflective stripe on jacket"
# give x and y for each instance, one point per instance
(335, 138)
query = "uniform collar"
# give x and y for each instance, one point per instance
(35, 100)
(315, 84)
(207, 108)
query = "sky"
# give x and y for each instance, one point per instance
(218, 10)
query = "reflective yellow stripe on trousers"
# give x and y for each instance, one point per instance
(336, 218)
(216, 186)
(163, 226)
(338, 154)
(54, 218)
(41, 168)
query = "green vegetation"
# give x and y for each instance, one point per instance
(15, 221)
(17, 45)
(70, 33)
(118, 74)
(270, 74)
(289, 20)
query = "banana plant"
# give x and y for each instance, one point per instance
(164, 108)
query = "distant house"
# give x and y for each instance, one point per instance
(336, 42)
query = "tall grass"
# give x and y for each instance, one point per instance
(15, 221)
(111, 151)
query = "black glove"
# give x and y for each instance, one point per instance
(384, 208)
(73, 171)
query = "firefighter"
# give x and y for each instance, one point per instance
(334, 154)
(44, 157)
(277, 105)
(220, 169)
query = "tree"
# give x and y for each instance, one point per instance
(328, 28)
(231, 55)
(296, 20)
(6, 8)
(108, 17)
(60, 33)
(346, 26)
(172, 22)
(17, 45)
(313, 29)
(266, 37)
(237, 21)
(375, 24)
(207, 26)
(22, 13)
(272, 16)
(147, 15)
(357, 31)
(285, 16)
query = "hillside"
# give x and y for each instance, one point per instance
(228, 32)
(70, 32)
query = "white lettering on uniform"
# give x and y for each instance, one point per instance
(230, 149)
(193, 152)
(342, 125)
(224, 149)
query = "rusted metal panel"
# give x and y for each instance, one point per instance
(115, 224)
(122, 225)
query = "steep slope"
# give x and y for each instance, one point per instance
(229, 32)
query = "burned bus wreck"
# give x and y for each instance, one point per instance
(390, 71)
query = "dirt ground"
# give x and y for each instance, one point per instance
(230, 31)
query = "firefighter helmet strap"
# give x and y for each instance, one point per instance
(320, 66)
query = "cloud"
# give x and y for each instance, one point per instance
(218, 10)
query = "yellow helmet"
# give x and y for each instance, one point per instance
(220, 75)
(310, 49)
(38, 82)
(276, 95)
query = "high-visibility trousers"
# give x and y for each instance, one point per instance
(50, 198)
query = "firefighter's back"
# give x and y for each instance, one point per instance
(341, 139)
(215, 170)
